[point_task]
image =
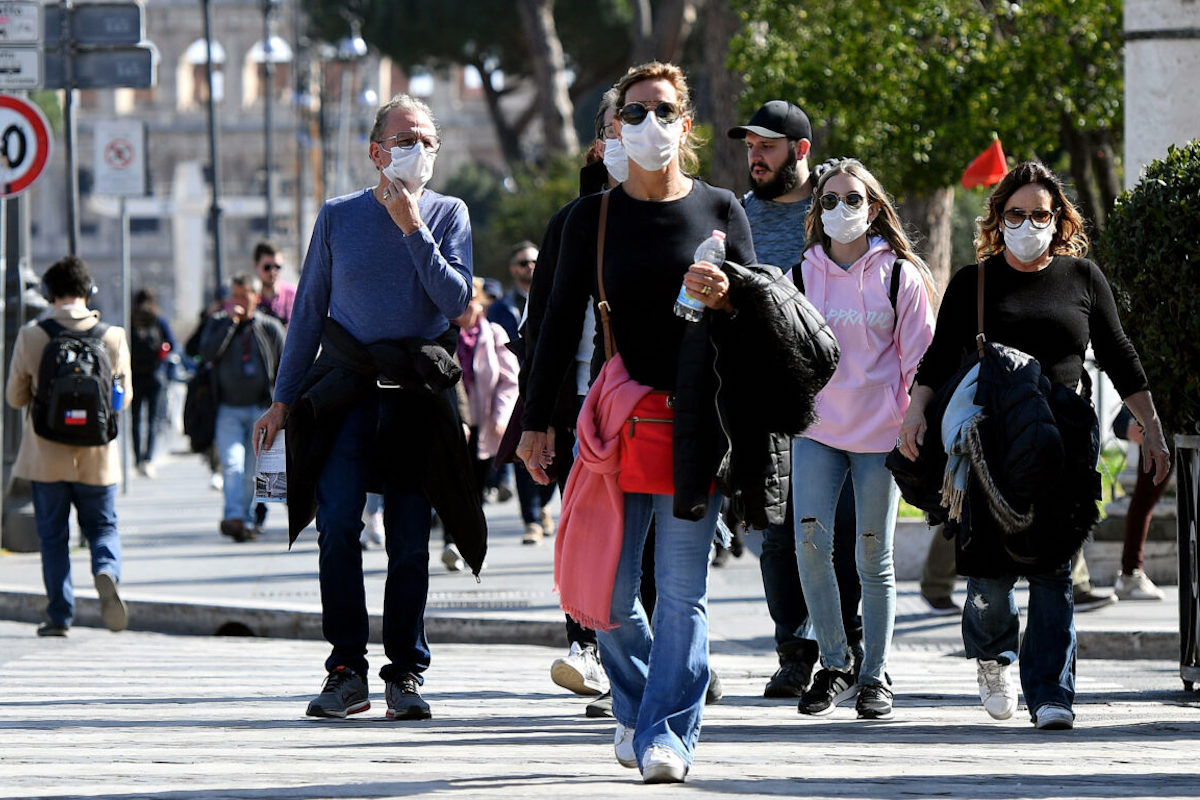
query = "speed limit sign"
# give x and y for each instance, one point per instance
(24, 145)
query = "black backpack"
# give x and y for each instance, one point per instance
(73, 403)
(145, 348)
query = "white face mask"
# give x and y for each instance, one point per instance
(615, 160)
(845, 224)
(650, 145)
(1028, 243)
(412, 167)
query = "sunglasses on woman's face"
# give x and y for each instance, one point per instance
(1040, 217)
(634, 113)
(853, 200)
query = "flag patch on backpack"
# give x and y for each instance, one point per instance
(73, 402)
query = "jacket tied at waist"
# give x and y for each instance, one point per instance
(426, 447)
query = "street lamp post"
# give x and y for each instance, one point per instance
(214, 209)
(268, 89)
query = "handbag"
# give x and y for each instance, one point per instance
(647, 439)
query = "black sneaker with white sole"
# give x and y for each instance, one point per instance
(874, 701)
(829, 689)
(404, 699)
(344, 692)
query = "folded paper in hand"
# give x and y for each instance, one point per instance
(270, 475)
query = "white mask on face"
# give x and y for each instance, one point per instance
(845, 224)
(1028, 243)
(412, 167)
(615, 160)
(650, 145)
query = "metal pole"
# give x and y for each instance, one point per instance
(214, 210)
(126, 320)
(268, 90)
(69, 128)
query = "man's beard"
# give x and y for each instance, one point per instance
(783, 181)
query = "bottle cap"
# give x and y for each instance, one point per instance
(719, 235)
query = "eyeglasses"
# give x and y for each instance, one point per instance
(635, 113)
(607, 132)
(527, 262)
(272, 267)
(1040, 217)
(830, 200)
(406, 140)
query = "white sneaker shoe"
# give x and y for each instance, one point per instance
(216, 482)
(453, 559)
(623, 747)
(580, 671)
(1054, 718)
(662, 765)
(1137, 586)
(372, 534)
(995, 690)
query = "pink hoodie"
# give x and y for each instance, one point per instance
(861, 407)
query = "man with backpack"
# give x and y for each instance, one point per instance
(72, 372)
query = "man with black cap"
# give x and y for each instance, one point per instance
(778, 138)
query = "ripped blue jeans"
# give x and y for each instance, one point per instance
(818, 473)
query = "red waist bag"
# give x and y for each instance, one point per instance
(647, 446)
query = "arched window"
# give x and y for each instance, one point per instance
(254, 70)
(192, 83)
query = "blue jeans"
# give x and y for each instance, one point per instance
(991, 628)
(532, 496)
(817, 477)
(235, 448)
(659, 678)
(341, 496)
(784, 593)
(96, 511)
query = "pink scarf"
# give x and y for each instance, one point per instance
(591, 528)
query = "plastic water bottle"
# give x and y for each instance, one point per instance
(118, 394)
(710, 251)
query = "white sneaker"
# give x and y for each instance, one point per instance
(623, 747)
(216, 482)
(372, 535)
(662, 765)
(453, 559)
(580, 671)
(1054, 718)
(1137, 586)
(995, 690)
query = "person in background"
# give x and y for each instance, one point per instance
(278, 295)
(149, 345)
(63, 475)
(1133, 583)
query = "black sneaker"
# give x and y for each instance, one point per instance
(874, 701)
(344, 692)
(404, 699)
(600, 707)
(51, 629)
(714, 692)
(791, 679)
(828, 689)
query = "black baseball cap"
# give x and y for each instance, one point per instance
(776, 119)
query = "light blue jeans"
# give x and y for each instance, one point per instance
(659, 678)
(235, 447)
(95, 509)
(817, 476)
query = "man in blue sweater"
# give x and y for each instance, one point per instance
(386, 263)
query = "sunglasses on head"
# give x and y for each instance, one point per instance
(830, 200)
(1040, 217)
(634, 113)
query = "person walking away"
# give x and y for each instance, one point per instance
(388, 267)
(68, 451)
(855, 243)
(244, 345)
(150, 343)
(1041, 297)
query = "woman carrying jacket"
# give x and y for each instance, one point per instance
(1041, 297)
(855, 242)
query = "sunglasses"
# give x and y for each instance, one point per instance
(407, 141)
(272, 267)
(635, 113)
(1040, 217)
(527, 262)
(830, 200)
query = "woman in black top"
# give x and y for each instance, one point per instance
(656, 218)
(1043, 298)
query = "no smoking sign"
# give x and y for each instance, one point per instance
(120, 157)
(24, 145)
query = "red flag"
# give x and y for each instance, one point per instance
(987, 168)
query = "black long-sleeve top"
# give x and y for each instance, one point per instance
(648, 249)
(1050, 314)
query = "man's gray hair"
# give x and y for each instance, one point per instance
(247, 281)
(400, 102)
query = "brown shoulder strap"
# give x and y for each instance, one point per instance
(610, 344)
(979, 337)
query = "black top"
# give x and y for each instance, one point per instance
(1050, 314)
(648, 249)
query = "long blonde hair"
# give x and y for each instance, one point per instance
(886, 223)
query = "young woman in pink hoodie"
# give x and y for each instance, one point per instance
(855, 242)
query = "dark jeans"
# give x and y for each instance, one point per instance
(781, 580)
(532, 496)
(991, 628)
(96, 511)
(146, 410)
(341, 495)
